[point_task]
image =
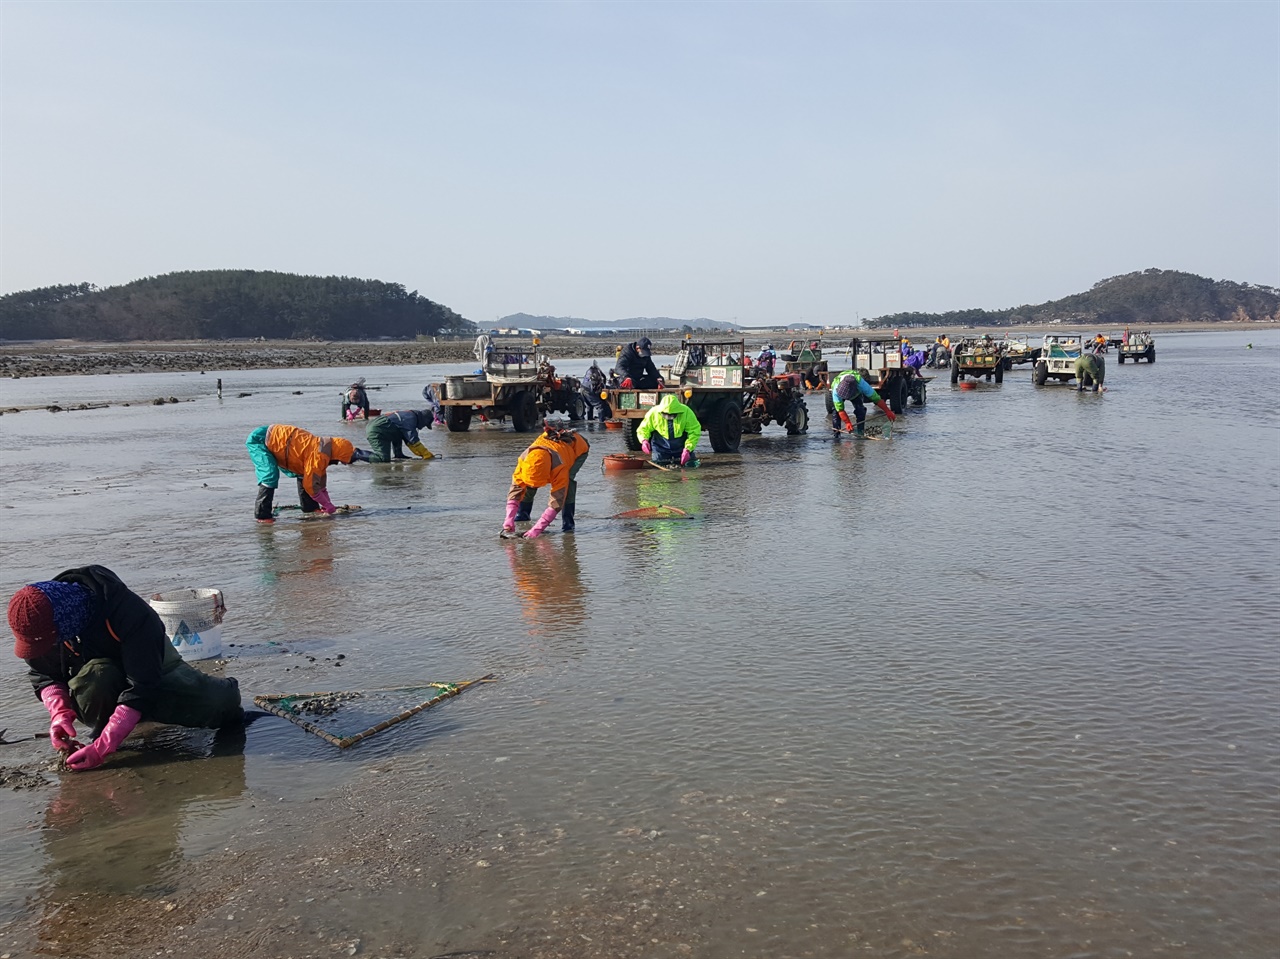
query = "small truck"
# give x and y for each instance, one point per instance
(1140, 346)
(888, 372)
(979, 357)
(1057, 359)
(515, 380)
(712, 373)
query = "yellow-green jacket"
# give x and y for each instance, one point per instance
(672, 421)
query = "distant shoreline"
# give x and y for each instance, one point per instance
(78, 358)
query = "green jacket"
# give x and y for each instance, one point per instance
(671, 419)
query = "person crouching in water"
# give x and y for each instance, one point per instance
(554, 459)
(389, 432)
(355, 400)
(294, 452)
(850, 387)
(98, 654)
(669, 432)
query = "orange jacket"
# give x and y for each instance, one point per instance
(547, 461)
(302, 454)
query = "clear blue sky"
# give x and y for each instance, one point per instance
(762, 162)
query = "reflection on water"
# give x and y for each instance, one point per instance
(1004, 684)
(548, 584)
(115, 837)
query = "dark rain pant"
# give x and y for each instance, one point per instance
(385, 440)
(570, 498)
(859, 412)
(262, 507)
(185, 696)
(1090, 371)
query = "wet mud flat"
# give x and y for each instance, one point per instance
(358, 871)
(64, 358)
(69, 357)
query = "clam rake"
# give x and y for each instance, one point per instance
(293, 706)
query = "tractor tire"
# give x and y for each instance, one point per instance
(999, 372)
(922, 394)
(1122, 359)
(798, 419)
(1041, 373)
(629, 435)
(898, 395)
(457, 418)
(1151, 357)
(955, 371)
(724, 426)
(577, 408)
(524, 412)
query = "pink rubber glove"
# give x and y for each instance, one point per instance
(543, 522)
(62, 731)
(646, 446)
(118, 727)
(326, 504)
(685, 456)
(513, 507)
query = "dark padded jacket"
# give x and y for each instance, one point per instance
(632, 364)
(121, 627)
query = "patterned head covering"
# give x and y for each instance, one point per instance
(42, 613)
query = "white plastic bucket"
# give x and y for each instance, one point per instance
(193, 620)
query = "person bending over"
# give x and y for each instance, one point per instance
(294, 452)
(850, 387)
(554, 459)
(98, 654)
(390, 432)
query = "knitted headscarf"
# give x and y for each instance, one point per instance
(42, 613)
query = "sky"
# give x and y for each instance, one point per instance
(756, 163)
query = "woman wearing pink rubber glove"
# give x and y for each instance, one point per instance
(553, 459)
(97, 653)
(294, 452)
(670, 431)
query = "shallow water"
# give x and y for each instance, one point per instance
(1005, 684)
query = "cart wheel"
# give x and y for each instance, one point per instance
(457, 418)
(524, 412)
(725, 427)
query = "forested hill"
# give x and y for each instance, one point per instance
(224, 304)
(1141, 299)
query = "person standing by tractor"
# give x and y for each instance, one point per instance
(850, 387)
(294, 452)
(388, 432)
(767, 359)
(593, 383)
(669, 432)
(635, 366)
(554, 459)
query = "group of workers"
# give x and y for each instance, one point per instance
(99, 655)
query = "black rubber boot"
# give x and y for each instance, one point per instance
(525, 513)
(304, 498)
(566, 517)
(262, 508)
